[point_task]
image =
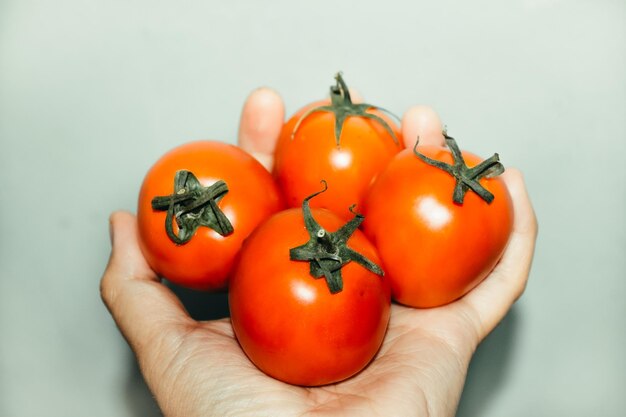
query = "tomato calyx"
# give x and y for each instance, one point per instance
(342, 106)
(191, 206)
(466, 178)
(327, 252)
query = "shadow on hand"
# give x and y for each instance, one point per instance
(490, 367)
(201, 306)
(487, 373)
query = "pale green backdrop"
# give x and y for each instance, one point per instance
(92, 92)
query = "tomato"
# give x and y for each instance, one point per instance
(434, 249)
(292, 318)
(196, 206)
(344, 143)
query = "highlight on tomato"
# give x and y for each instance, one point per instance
(440, 219)
(308, 302)
(345, 143)
(196, 205)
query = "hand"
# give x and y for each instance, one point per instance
(198, 369)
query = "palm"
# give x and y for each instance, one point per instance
(420, 349)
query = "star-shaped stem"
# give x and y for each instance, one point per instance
(327, 252)
(191, 206)
(343, 107)
(466, 178)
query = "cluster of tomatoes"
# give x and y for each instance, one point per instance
(313, 253)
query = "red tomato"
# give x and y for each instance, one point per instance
(343, 143)
(289, 323)
(435, 250)
(192, 253)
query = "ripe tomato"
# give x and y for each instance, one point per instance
(434, 249)
(299, 329)
(344, 143)
(196, 206)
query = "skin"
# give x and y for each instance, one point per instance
(251, 198)
(364, 150)
(288, 323)
(433, 249)
(198, 369)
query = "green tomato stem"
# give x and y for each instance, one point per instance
(327, 252)
(191, 205)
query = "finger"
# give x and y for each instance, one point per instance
(494, 297)
(261, 120)
(422, 122)
(144, 310)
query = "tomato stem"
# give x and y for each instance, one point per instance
(327, 252)
(342, 107)
(466, 178)
(191, 206)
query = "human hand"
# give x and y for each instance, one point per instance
(196, 368)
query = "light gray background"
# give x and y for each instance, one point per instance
(92, 93)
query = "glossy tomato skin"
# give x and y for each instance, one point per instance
(313, 155)
(433, 249)
(288, 323)
(205, 262)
